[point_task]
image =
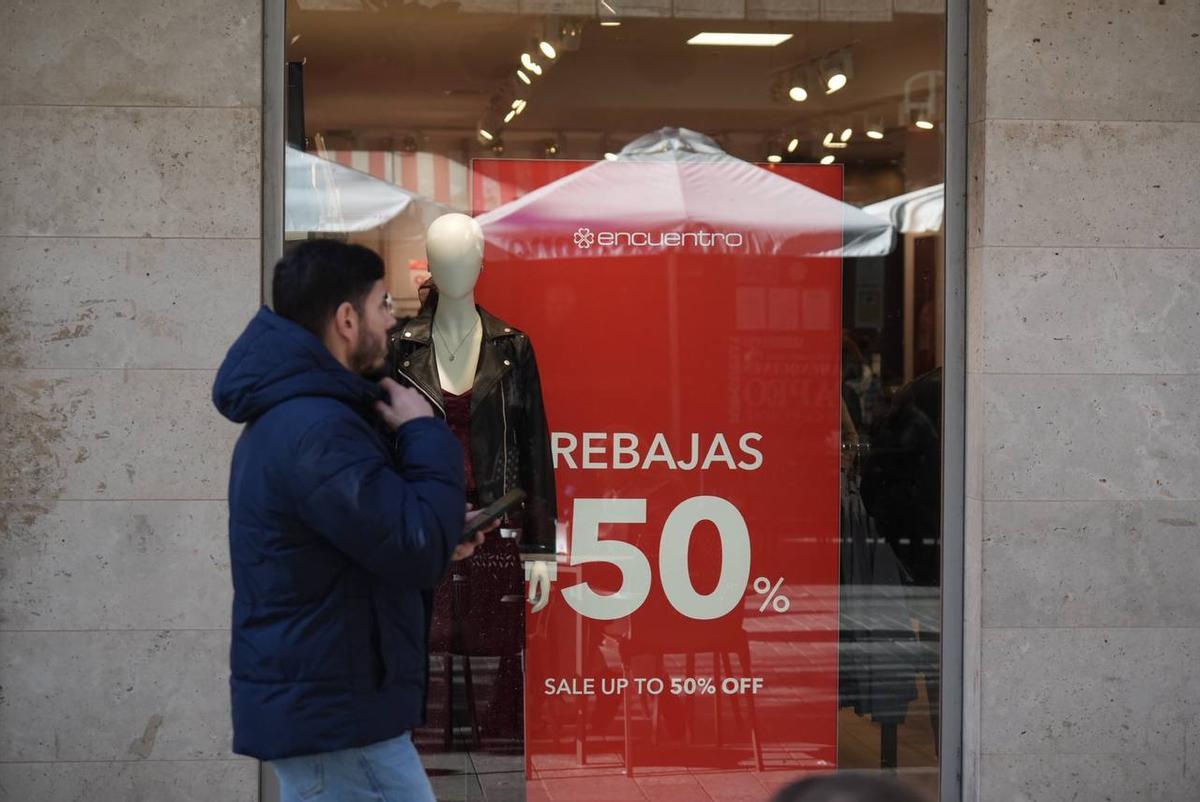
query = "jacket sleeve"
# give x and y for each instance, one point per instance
(399, 519)
(537, 466)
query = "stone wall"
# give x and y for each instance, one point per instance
(129, 258)
(1083, 434)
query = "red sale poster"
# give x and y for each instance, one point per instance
(685, 314)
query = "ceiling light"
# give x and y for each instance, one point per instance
(834, 82)
(610, 24)
(524, 78)
(836, 145)
(531, 65)
(827, 159)
(795, 143)
(509, 117)
(774, 158)
(548, 50)
(873, 126)
(740, 39)
(798, 94)
(846, 134)
(486, 134)
(924, 125)
(828, 140)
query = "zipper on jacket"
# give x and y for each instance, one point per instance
(423, 391)
(504, 437)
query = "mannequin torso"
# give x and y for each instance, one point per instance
(457, 338)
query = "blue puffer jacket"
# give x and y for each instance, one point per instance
(334, 546)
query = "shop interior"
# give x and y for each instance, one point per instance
(390, 103)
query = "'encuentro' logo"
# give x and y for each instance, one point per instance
(586, 238)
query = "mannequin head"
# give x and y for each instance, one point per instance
(454, 245)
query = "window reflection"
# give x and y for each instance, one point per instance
(412, 110)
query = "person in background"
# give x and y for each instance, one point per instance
(346, 507)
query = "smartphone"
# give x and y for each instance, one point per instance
(491, 512)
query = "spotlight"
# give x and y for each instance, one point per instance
(551, 149)
(774, 158)
(795, 143)
(548, 50)
(828, 140)
(873, 126)
(798, 94)
(486, 135)
(529, 64)
(524, 78)
(846, 134)
(509, 117)
(827, 159)
(923, 93)
(835, 71)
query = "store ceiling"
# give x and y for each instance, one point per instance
(393, 69)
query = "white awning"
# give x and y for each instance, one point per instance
(675, 180)
(918, 212)
(324, 196)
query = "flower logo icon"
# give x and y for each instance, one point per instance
(584, 238)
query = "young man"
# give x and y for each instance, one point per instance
(346, 505)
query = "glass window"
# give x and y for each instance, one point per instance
(709, 352)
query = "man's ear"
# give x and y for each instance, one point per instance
(345, 321)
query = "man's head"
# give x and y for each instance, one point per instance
(336, 291)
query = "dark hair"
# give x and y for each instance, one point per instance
(847, 788)
(318, 276)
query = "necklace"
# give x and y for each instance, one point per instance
(453, 352)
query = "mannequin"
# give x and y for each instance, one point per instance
(471, 352)
(481, 376)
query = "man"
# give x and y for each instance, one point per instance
(337, 534)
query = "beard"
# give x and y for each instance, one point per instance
(369, 358)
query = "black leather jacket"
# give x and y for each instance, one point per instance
(510, 442)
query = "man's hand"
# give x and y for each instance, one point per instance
(465, 549)
(404, 404)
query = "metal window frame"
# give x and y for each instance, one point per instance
(273, 132)
(954, 406)
(950, 765)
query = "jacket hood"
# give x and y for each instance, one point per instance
(275, 360)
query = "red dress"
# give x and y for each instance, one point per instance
(478, 610)
(458, 418)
